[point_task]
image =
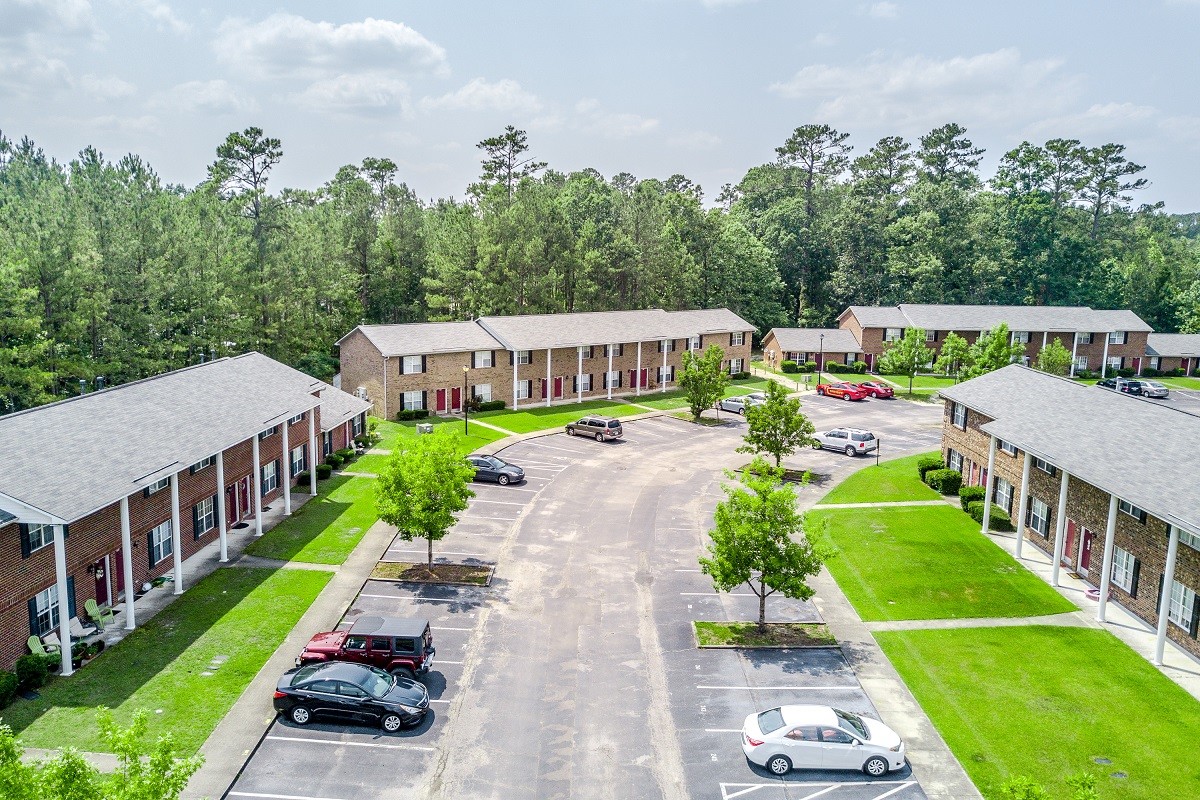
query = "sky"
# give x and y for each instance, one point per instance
(705, 88)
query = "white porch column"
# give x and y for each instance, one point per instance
(127, 564)
(1106, 566)
(515, 367)
(176, 555)
(312, 452)
(988, 483)
(1164, 599)
(222, 521)
(287, 473)
(1104, 372)
(608, 377)
(638, 380)
(64, 604)
(1044, 339)
(579, 375)
(663, 382)
(1060, 528)
(1074, 350)
(258, 531)
(1023, 502)
(549, 385)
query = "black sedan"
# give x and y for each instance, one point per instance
(491, 468)
(354, 692)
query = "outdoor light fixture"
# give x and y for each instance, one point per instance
(465, 403)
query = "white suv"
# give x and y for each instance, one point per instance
(851, 441)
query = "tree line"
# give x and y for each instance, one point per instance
(107, 271)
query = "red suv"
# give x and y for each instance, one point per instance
(399, 645)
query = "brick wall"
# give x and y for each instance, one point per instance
(362, 365)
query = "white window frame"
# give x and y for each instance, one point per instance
(523, 357)
(524, 389)
(1004, 494)
(1116, 337)
(612, 380)
(1083, 338)
(1190, 539)
(483, 391)
(161, 543)
(410, 365)
(931, 336)
(413, 401)
(270, 477)
(584, 382)
(483, 359)
(158, 485)
(1125, 507)
(297, 460)
(955, 460)
(668, 376)
(1179, 608)
(357, 425)
(1020, 337)
(45, 603)
(206, 519)
(298, 418)
(268, 433)
(203, 463)
(694, 343)
(1039, 517)
(666, 345)
(1044, 466)
(1006, 447)
(739, 339)
(958, 416)
(1122, 569)
(1154, 361)
(1081, 362)
(893, 334)
(735, 365)
(43, 533)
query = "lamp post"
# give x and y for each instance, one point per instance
(466, 403)
(820, 356)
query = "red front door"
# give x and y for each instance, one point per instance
(643, 384)
(1137, 366)
(101, 582)
(455, 399)
(441, 400)
(558, 387)
(1069, 545)
(1085, 550)
(232, 512)
(118, 565)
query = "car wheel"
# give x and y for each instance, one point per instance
(876, 766)
(394, 722)
(845, 397)
(742, 411)
(817, 446)
(821, 392)
(570, 431)
(779, 765)
(404, 672)
(300, 715)
(599, 437)
(502, 480)
(850, 451)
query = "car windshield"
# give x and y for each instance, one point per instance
(852, 722)
(304, 673)
(769, 721)
(495, 463)
(377, 683)
(612, 423)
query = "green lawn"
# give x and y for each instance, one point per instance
(1046, 701)
(541, 418)
(924, 386)
(392, 433)
(926, 562)
(675, 398)
(325, 529)
(891, 481)
(1179, 383)
(236, 613)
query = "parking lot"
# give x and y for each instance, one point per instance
(575, 674)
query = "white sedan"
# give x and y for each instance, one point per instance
(738, 405)
(820, 737)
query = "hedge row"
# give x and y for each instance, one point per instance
(999, 520)
(927, 463)
(405, 414)
(945, 481)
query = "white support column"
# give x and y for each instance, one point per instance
(312, 452)
(222, 520)
(1110, 531)
(515, 367)
(1023, 502)
(988, 482)
(608, 376)
(1164, 599)
(286, 464)
(1104, 365)
(579, 375)
(1074, 350)
(663, 382)
(64, 604)
(257, 466)
(127, 564)
(1044, 339)
(638, 379)
(1060, 528)
(549, 385)
(176, 539)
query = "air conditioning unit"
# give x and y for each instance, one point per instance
(361, 393)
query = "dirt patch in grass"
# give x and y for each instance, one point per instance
(797, 475)
(709, 422)
(470, 574)
(777, 635)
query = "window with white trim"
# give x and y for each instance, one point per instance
(524, 389)
(1005, 447)
(583, 383)
(612, 380)
(413, 400)
(270, 477)
(483, 391)
(357, 425)
(298, 418)
(893, 334)
(482, 359)
(959, 416)
(203, 464)
(1039, 517)
(1081, 362)
(326, 443)
(1116, 362)
(271, 431)
(614, 350)
(205, 514)
(738, 340)
(667, 376)
(411, 365)
(1189, 538)
(1132, 510)
(39, 536)
(45, 611)
(1183, 600)
(1122, 569)
(1083, 338)
(298, 460)
(161, 545)
(931, 336)
(524, 357)
(1004, 494)
(585, 351)
(955, 460)
(1154, 362)
(158, 486)
(694, 343)
(1045, 466)
(1117, 337)
(735, 366)
(666, 345)
(1020, 337)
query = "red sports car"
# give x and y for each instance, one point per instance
(878, 389)
(846, 391)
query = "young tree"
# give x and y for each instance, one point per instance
(702, 380)
(423, 486)
(953, 355)
(506, 162)
(906, 356)
(753, 542)
(991, 351)
(777, 427)
(1054, 358)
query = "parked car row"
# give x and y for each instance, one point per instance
(1139, 387)
(856, 391)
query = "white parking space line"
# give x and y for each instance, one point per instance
(578, 452)
(893, 791)
(500, 488)
(452, 663)
(281, 796)
(434, 628)
(417, 599)
(440, 552)
(497, 502)
(340, 743)
(732, 790)
(856, 688)
(714, 594)
(722, 730)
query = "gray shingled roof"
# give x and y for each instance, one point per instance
(422, 338)
(1173, 344)
(84, 453)
(541, 331)
(808, 340)
(1020, 318)
(877, 316)
(338, 407)
(1143, 452)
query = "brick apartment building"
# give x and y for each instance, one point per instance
(1067, 467)
(111, 489)
(1166, 351)
(534, 359)
(821, 346)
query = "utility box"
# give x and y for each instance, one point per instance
(424, 427)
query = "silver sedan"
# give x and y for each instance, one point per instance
(738, 405)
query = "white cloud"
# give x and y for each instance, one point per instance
(884, 10)
(824, 40)
(125, 124)
(24, 18)
(613, 125)
(31, 74)
(160, 12)
(108, 87)
(208, 97)
(35, 37)
(286, 45)
(363, 93)
(482, 95)
(695, 140)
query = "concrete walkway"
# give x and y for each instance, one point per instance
(894, 504)
(1069, 619)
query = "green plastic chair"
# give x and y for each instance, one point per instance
(40, 648)
(98, 613)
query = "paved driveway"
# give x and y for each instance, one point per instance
(575, 674)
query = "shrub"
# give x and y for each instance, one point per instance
(491, 405)
(789, 367)
(1086, 374)
(926, 463)
(362, 440)
(835, 368)
(32, 672)
(945, 481)
(971, 494)
(809, 366)
(741, 376)
(301, 478)
(1150, 372)
(324, 471)
(1126, 372)
(8, 688)
(406, 414)
(999, 520)
(859, 366)
(333, 460)
(1178, 372)
(346, 454)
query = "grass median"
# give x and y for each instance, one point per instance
(891, 481)
(186, 666)
(325, 529)
(542, 418)
(677, 398)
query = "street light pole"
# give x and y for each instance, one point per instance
(821, 357)
(466, 404)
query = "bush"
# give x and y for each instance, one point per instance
(789, 367)
(859, 366)
(945, 481)
(1086, 374)
(809, 366)
(333, 460)
(8, 688)
(301, 478)
(971, 494)
(741, 376)
(1178, 372)
(926, 463)
(32, 672)
(323, 471)
(999, 520)
(491, 405)
(1125, 372)
(835, 368)
(1151, 372)
(346, 454)
(362, 440)
(406, 414)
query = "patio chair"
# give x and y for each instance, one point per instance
(98, 613)
(40, 648)
(79, 630)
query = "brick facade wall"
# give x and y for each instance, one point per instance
(362, 365)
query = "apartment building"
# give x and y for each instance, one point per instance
(1069, 464)
(820, 345)
(112, 489)
(533, 359)
(1167, 351)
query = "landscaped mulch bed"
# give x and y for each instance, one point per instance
(469, 574)
(709, 422)
(797, 475)
(778, 635)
